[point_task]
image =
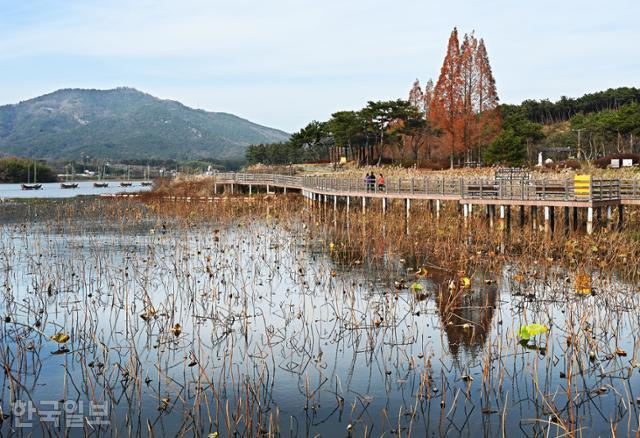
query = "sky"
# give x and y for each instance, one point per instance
(283, 63)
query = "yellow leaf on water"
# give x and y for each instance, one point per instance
(60, 338)
(331, 246)
(422, 272)
(465, 282)
(176, 329)
(519, 278)
(582, 284)
(620, 352)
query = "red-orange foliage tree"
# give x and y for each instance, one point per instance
(487, 98)
(446, 104)
(464, 101)
(416, 97)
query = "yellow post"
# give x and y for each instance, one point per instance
(582, 187)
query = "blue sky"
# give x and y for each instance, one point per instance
(283, 63)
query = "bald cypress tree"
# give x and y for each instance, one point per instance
(446, 104)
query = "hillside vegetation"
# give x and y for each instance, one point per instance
(18, 170)
(123, 123)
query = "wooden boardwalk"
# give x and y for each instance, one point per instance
(560, 193)
(490, 192)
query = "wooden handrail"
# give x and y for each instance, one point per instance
(602, 189)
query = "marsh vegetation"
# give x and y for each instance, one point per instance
(272, 316)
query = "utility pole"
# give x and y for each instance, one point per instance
(579, 145)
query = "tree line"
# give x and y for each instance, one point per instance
(455, 119)
(20, 170)
(546, 112)
(459, 120)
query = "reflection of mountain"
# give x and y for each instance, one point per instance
(466, 316)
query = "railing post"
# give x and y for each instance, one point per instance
(566, 189)
(461, 187)
(412, 186)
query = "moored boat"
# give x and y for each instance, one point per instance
(31, 186)
(100, 185)
(68, 185)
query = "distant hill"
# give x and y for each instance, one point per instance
(123, 123)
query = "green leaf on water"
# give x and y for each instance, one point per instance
(416, 287)
(527, 332)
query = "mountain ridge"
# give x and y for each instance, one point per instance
(123, 123)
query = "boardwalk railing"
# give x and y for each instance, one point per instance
(600, 190)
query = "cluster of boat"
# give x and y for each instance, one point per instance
(74, 185)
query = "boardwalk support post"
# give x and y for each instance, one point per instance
(547, 218)
(491, 213)
(437, 208)
(620, 216)
(522, 215)
(589, 220)
(384, 205)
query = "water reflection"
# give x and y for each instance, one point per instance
(466, 314)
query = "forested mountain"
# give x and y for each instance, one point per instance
(545, 112)
(123, 123)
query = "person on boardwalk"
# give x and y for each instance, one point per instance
(372, 182)
(366, 182)
(381, 185)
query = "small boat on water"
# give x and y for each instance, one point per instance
(127, 183)
(67, 184)
(147, 182)
(100, 184)
(31, 186)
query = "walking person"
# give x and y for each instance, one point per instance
(381, 186)
(372, 182)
